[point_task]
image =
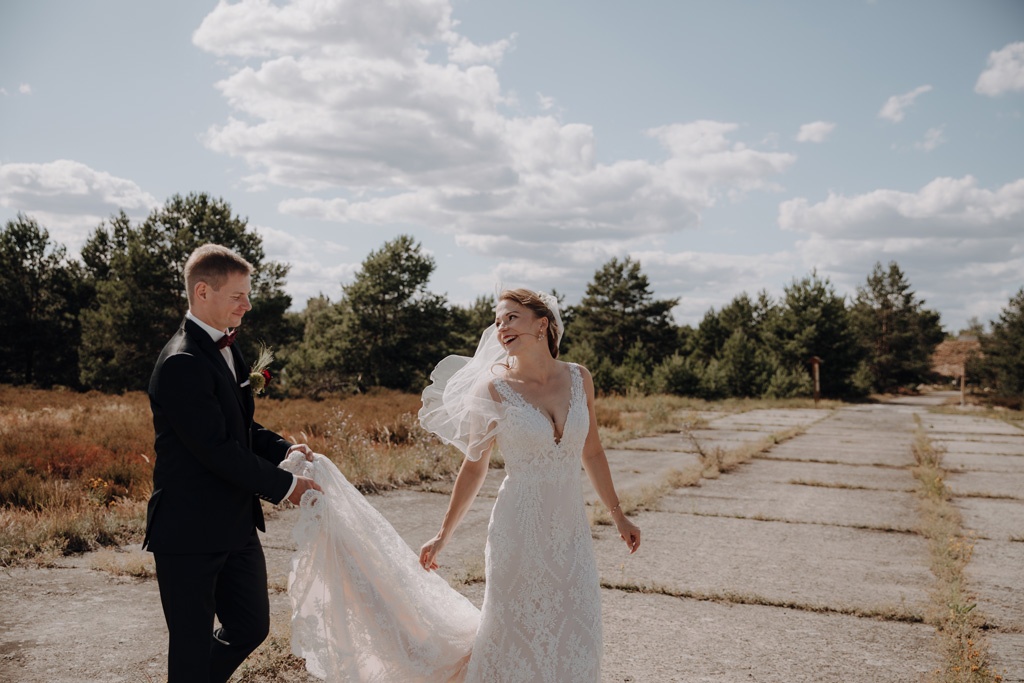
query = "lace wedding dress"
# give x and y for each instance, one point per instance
(542, 604)
(364, 610)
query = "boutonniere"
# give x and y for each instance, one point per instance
(259, 374)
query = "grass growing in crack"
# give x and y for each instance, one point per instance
(889, 529)
(884, 612)
(136, 563)
(990, 496)
(620, 419)
(1013, 417)
(717, 460)
(632, 501)
(713, 462)
(840, 485)
(474, 571)
(959, 624)
(273, 660)
(711, 459)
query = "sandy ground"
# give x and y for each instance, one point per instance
(803, 565)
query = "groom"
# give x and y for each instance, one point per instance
(213, 465)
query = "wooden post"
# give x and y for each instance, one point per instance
(963, 384)
(815, 365)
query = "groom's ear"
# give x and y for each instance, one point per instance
(200, 291)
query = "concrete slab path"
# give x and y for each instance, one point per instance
(803, 565)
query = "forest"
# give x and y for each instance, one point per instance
(98, 321)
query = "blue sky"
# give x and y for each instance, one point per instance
(728, 146)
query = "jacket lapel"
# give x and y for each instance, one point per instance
(245, 393)
(208, 347)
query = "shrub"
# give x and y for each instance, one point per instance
(677, 375)
(713, 381)
(789, 383)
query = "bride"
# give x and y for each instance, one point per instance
(363, 610)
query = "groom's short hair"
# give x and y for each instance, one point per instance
(212, 264)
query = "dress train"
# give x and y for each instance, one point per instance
(363, 609)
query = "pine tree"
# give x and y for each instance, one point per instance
(897, 332)
(395, 330)
(734, 341)
(469, 322)
(1003, 352)
(137, 272)
(619, 312)
(43, 291)
(315, 364)
(813, 321)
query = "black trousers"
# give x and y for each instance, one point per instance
(193, 589)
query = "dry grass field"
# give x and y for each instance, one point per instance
(76, 468)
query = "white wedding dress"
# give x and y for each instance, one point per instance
(364, 610)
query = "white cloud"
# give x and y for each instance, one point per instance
(1005, 72)
(952, 238)
(369, 116)
(23, 89)
(816, 131)
(354, 123)
(700, 280)
(384, 115)
(287, 246)
(933, 137)
(463, 51)
(257, 28)
(318, 266)
(342, 29)
(895, 107)
(970, 277)
(513, 273)
(66, 183)
(546, 103)
(943, 207)
(563, 197)
(68, 197)
(704, 280)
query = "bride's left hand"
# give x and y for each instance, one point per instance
(628, 532)
(429, 551)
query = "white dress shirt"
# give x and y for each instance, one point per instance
(216, 335)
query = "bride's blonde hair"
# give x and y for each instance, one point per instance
(531, 300)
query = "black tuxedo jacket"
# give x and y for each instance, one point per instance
(213, 462)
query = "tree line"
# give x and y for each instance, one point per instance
(98, 322)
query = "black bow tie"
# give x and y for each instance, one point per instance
(227, 340)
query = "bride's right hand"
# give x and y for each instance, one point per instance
(429, 551)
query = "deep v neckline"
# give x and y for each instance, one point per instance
(556, 437)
